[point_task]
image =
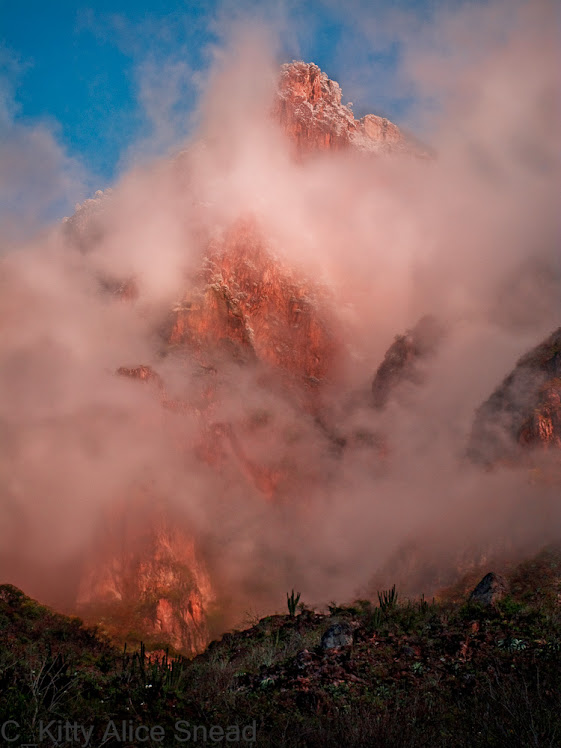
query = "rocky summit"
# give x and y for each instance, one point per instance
(311, 113)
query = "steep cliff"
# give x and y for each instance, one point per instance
(147, 583)
(524, 411)
(250, 301)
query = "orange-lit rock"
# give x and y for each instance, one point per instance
(543, 427)
(146, 581)
(142, 373)
(250, 301)
(310, 111)
(221, 440)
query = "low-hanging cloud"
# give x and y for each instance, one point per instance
(39, 179)
(470, 235)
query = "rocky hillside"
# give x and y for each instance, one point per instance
(478, 667)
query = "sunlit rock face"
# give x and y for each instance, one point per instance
(247, 299)
(310, 111)
(543, 427)
(146, 581)
(524, 411)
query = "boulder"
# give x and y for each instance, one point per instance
(490, 590)
(337, 635)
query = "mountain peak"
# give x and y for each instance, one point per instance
(310, 111)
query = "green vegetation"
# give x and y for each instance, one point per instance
(387, 599)
(292, 602)
(443, 673)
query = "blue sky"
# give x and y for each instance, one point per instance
(78, 65)
(97, 82)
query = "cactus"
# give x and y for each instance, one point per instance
(387, 599)
(292, 601)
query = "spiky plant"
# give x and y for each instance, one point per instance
(292, 601)
(387, 599)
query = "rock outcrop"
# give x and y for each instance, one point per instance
(543, 426)
(524, 411)
(247, 301)
(143, 374)
(490, 590)
(146, 581)
(338, 635)
(310, 111)
(402, 362)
